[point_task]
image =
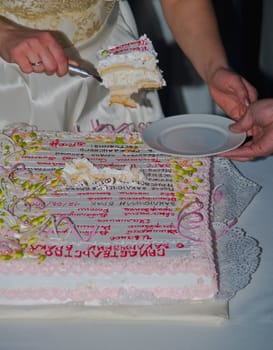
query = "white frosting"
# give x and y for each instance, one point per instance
(128, 77)
(128, 65)
(136, 59)
(83, 172)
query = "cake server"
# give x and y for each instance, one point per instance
(90, 72)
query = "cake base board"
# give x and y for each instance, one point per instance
(208, 312)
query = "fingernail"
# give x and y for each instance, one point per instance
(247, 102)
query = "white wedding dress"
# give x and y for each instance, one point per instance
(70, 102)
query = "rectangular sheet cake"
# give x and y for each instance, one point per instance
(102, 224)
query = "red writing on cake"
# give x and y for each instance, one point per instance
(101, 252)
(133, 238)
(57, 143)
(156, 228)
(166, 212)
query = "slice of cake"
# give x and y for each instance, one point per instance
(102, 220)
(128, 68)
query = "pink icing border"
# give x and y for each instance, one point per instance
(111, 295)
(159, 266)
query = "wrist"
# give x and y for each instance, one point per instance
(213, 69)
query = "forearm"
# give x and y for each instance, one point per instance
(195, 30)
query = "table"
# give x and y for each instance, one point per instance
(251, 310)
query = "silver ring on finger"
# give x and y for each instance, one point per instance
(36, 64)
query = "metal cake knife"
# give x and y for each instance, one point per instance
(90, 72)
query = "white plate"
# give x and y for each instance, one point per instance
(191, 135)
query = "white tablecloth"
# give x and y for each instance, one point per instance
(251, 310)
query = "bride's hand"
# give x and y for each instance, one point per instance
(33, 50)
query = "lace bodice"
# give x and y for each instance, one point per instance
(78, 19)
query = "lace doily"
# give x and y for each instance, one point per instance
(238, 254)
(238, 257)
